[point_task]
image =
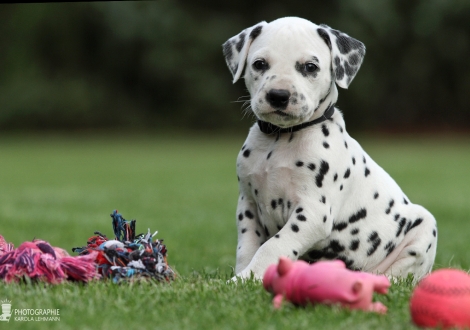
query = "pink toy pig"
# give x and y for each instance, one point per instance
(326, 282)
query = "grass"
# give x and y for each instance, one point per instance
(62, 188)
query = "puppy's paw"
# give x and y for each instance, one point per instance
(244, 275)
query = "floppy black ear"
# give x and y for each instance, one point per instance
(347, 54)
(236, 49)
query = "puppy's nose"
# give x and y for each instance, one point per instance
(278, 98)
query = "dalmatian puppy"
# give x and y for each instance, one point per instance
(307, 189)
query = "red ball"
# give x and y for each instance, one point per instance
(442, 299)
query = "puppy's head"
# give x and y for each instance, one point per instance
(291, 66)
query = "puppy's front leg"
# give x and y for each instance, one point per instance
(250, 233)
(303, 230)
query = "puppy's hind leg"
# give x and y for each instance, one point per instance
(417, 251)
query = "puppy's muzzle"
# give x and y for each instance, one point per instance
(278, 98)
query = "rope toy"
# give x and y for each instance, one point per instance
(128, 256)
(40, 262)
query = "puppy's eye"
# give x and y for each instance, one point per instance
(260, 65)
(310, 67)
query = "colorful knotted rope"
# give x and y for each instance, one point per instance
(127, 257)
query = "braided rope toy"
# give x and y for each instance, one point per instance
(128, 257)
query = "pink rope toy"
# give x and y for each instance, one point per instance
(324, 282)
(39, 261)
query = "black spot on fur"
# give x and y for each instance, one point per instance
(298, 210)
(410, 225)
(405, 201)
(373, 236)
(302, 68)
(244, 230)
(375, 240)
(347, 173)
(354, 161)
(294, 252)
(240, 42)
(401, 224)
(299, 163)
(389, 247)
(269, 155)
(311, 167)
(256, 192)
(277, 236)
(355, 231)
(246, 153)
(429, 246)
(412, 253)
(346, 44)
(257, 233)
(244, 146)
(324, 35)
(339, 72)
(335, 246)
(324, 218)
(325, 130)
(289, 204)
(335, 177)
(294, 228)
(397, 216)
(366, 172)
(324, 167)
(315, 255)
(340, 187)
(240, 216)
(227, 50)
(323, 199)
(348, 262)
(249, 215)
(340, 226)
(376, 195)
(301, 217)
(361, 214)
(256, 32)
(345, 144)
(280, 201)
(273, 204)
(326, 145)
(354, 245)
(434, 232)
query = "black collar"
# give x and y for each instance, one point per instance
(268, 128)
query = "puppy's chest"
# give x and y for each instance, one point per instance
(273, 173)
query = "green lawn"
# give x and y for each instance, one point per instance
(63, 188)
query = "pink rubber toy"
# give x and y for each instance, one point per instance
(325, 282)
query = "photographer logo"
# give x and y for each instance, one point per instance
(6, 310)
(28, 314)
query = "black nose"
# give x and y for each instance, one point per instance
(278, 98)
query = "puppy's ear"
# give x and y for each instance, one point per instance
(347, 54)
(236, 49)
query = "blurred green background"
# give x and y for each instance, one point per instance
(150, 65)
